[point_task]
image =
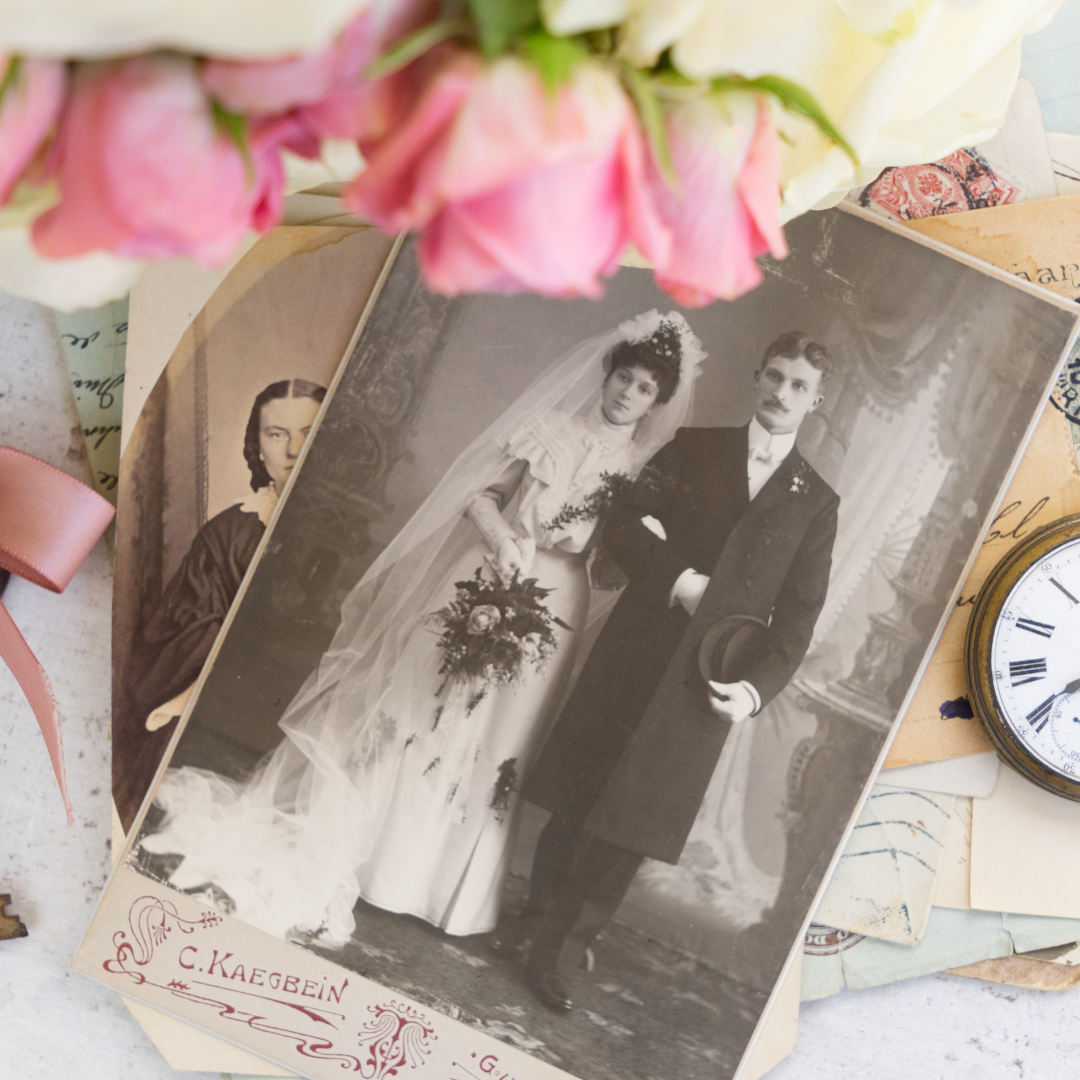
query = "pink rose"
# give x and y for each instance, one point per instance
(483, 618)
(327, 88)
(515, 188)
(726, 154)
(28, 110)
(145, 172)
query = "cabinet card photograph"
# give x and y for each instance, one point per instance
(202, 469)
(567, 660)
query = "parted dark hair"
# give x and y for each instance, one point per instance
(660, 354)
(297, 388)
(795, 344)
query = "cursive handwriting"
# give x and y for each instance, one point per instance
(102, 432)
(1010, 512)
(965, 601)
(78, 342)
(104, 388)
(108, 480)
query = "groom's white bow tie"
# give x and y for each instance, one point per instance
(758, 454)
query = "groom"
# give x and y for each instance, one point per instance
(727, 541)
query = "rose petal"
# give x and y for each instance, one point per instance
(144, 172)
(400, 187)
(28, 111)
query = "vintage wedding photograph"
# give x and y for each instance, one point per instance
(581, 630)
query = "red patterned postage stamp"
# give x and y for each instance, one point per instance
(961, 181)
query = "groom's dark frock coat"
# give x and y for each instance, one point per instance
(635, 746)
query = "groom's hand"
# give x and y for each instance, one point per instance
(732, 701)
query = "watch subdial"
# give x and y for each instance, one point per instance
(1064, 731)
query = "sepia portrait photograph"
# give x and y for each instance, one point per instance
(205, 463)
(576, 639)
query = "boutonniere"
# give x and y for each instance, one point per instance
(798, 485)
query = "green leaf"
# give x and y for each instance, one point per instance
(501, 22)
(235, 126)
(670, 79)
(794, 98)
(554, 57)
(416, 44)
(11, 76)
(652, 120)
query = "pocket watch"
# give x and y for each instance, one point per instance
(1022, 655)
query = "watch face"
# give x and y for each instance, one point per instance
(1035, 660)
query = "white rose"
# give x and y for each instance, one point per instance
(239, 28)
(904, 82)
(67, 284)
(577, 16)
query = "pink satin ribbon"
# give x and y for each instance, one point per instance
(48, 523)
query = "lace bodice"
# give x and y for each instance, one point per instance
(564, 469)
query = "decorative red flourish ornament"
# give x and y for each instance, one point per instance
(397, 1038)
(49, 521)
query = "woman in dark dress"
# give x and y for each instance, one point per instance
(178, 637)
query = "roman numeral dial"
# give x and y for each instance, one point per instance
(1025, 671)
(1023, 656)
(1041, 713)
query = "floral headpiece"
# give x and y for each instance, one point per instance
(668, 335)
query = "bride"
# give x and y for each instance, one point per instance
(398, 776)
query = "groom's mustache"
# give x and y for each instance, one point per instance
(772, 403)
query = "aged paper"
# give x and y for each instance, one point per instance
(836, 960)
(974, 774)
(1025, 850)
(1022, 971)
(94, 343)
(953, 888)
(884, 883)
(1039, 242)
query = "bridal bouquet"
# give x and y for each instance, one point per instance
(491, 630)
(532, 144)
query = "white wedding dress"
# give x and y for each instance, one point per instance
(434, 804)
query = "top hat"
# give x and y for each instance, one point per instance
(729, 647)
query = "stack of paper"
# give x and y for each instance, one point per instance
(956, 864)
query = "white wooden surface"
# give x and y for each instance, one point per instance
(57, 1024)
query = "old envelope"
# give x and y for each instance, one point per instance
(883, 884)
(834, 960)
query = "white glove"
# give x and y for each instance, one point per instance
(170, 711)
(690, 588)
(732, 701)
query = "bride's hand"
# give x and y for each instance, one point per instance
(508, 559)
